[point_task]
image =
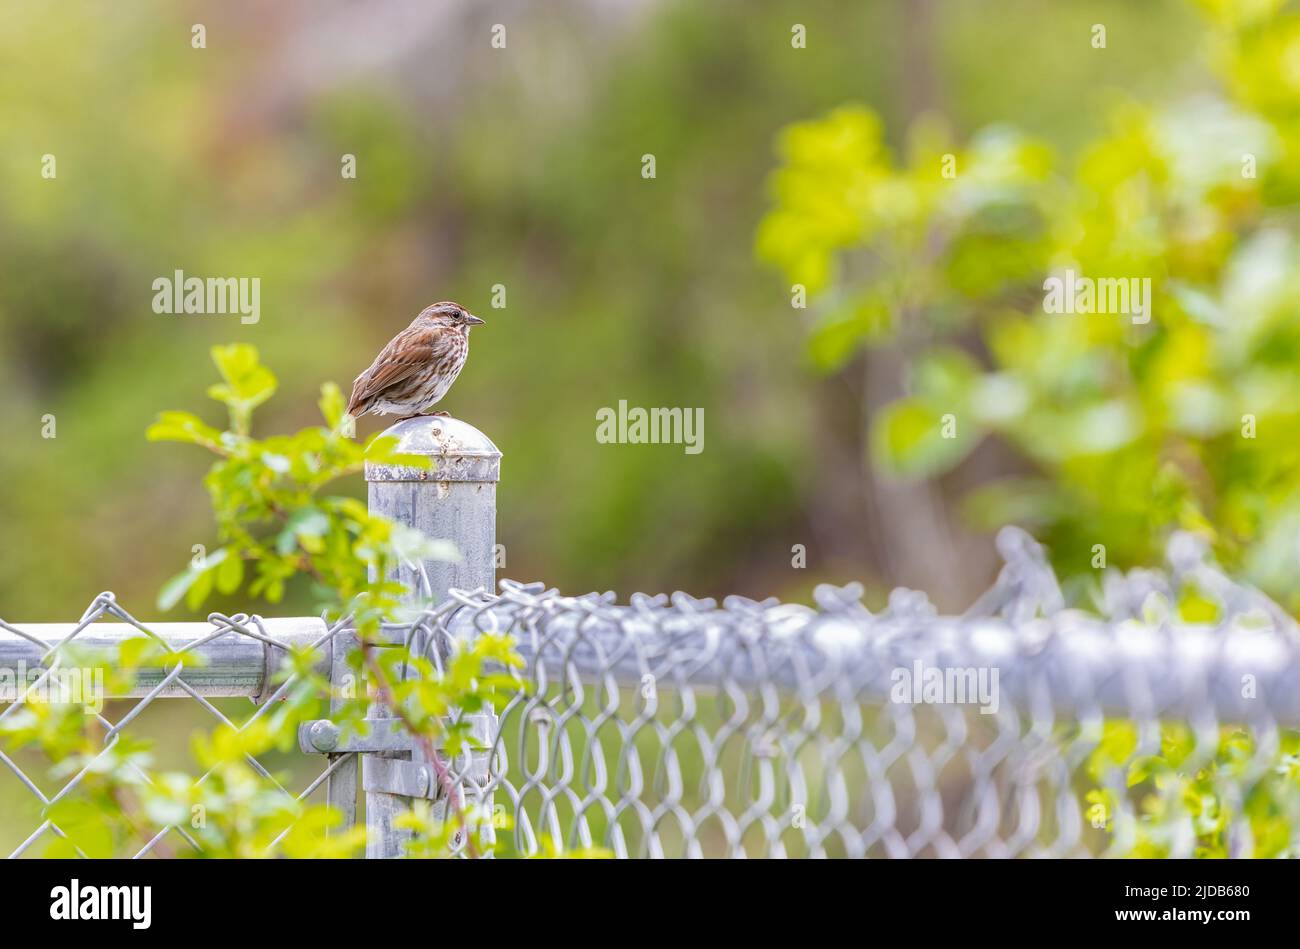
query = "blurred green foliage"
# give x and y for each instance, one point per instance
(1183, 413)
(1129, 428)
(524, 171)
(519, 168)
(1182, 796)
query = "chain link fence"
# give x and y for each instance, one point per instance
(227, 657)
(683, 727)
(675, 726)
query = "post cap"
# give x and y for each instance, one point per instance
(460, 452)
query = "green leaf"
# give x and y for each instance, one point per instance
(84, 825)
(908, 438)
(135, 650)
(383, 450)
(411, 545)
(247, 382)
(305, 526)
(229, 574)
(1194, 607)
(276, 462)
(839, 335)
(1147, 766)
(945, 376)
(182, 427)
(246, 378)
(180, 585)
(199, 590)
(332, 404)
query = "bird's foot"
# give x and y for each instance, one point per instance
(442, 415)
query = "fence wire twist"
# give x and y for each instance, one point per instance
(675, 726)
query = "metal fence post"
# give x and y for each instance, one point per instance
(455, 499)
(341, 785)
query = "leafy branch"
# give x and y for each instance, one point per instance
(277, 519)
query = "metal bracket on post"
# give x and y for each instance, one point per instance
(405, 777)
(408, 778)
(322, 737)
(455, 499)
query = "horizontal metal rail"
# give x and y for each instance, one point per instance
(1073, 664)
(1069, 663)
(1036, 657)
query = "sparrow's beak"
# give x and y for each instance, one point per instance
(473, 320)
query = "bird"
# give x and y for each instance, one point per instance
(418, 365)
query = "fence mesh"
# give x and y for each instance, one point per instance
(675, 726)
(684, 727)
(48, 785)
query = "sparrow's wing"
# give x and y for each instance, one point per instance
(410, 349)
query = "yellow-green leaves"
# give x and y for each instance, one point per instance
(182, 427)
(221, 570)
(194, 583)
(909, 439)
(332, 404)
(87, 833)
(825, 194)
(247, 383)
(436, 704)
(842, 331)
(273, 523)
(411, 546)
(1174, 409)
(931, 431)
(306, 527)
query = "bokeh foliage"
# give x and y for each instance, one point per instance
(1128, 429)
(527, 174)
(520, 168)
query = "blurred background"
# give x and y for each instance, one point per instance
(475, 167)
